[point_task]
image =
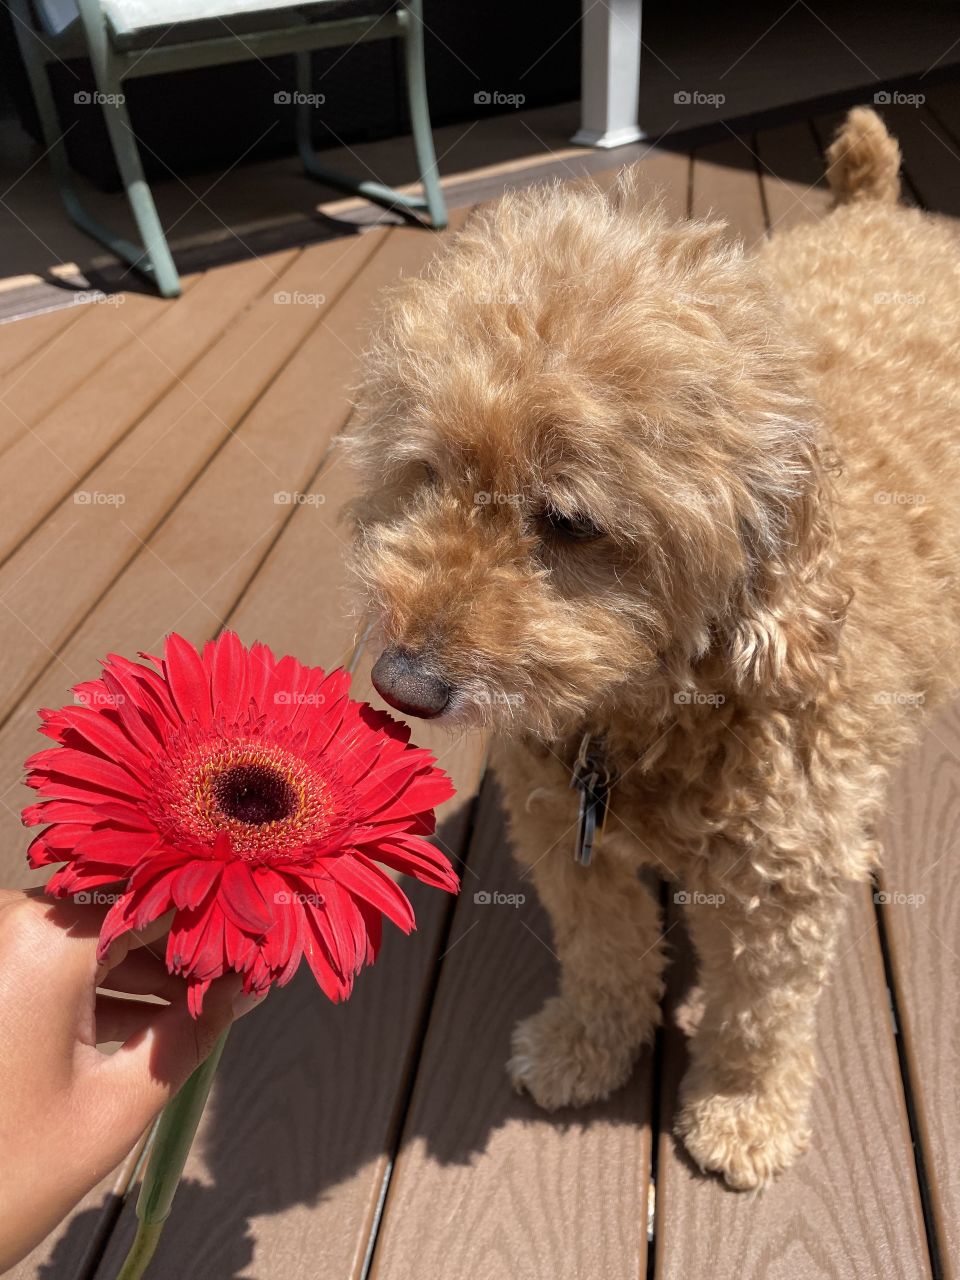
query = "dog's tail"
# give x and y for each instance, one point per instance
(863, 161)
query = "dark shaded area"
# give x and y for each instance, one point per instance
(189, 121)
(753, 59)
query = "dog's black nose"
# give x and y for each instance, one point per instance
(401, 678)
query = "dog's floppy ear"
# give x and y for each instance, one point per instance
(783, 627)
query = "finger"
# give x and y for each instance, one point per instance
(119, 1019)
(146, 1071)
(70, 932)
(47, 950)
(143, 973)
(148, 938)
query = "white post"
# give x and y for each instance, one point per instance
(611, 73)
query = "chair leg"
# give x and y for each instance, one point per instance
(432, 199)
(420, 112)
(43, 98)
(155, 259)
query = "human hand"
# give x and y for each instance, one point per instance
(68, 1112)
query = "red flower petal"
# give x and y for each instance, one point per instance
(122, 849)
(195, 993)
(425, 791)
(106, 738)
(139, 723)
(193, 884)
(229, 676)
(242, 900)
(146, 688)
(56, 768)
(416, 858)
(333, 983)
(283, 945)
(187, 679)
(366, 881)
(55, 844)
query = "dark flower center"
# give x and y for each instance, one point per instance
(255, 794)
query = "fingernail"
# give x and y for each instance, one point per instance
(245, 1001)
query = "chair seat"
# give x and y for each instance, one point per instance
(128, 16)
(142, 24)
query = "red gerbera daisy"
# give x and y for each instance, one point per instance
(249, 795)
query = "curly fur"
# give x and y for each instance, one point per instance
(769, 446)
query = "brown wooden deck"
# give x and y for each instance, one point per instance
(381, 1138)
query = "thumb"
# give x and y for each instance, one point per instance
(150, 1067)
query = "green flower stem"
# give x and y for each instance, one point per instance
(172, 1141)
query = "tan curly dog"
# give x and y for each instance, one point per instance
(623, 479)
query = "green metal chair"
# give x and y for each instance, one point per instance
(180, 34)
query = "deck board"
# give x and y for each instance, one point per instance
(487, 1187)
(850, 1207)
(792, 177)
(27, 337)
(931, 157)
(55, 457)
(726, 184)
(46, 379)
(920, 902)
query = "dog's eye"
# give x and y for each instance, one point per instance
(430, 475)
(572, 528)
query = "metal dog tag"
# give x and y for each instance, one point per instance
(591, 780)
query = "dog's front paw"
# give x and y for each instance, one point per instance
(746, 1138)
(560, 1064)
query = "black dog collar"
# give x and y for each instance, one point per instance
(592, 781)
